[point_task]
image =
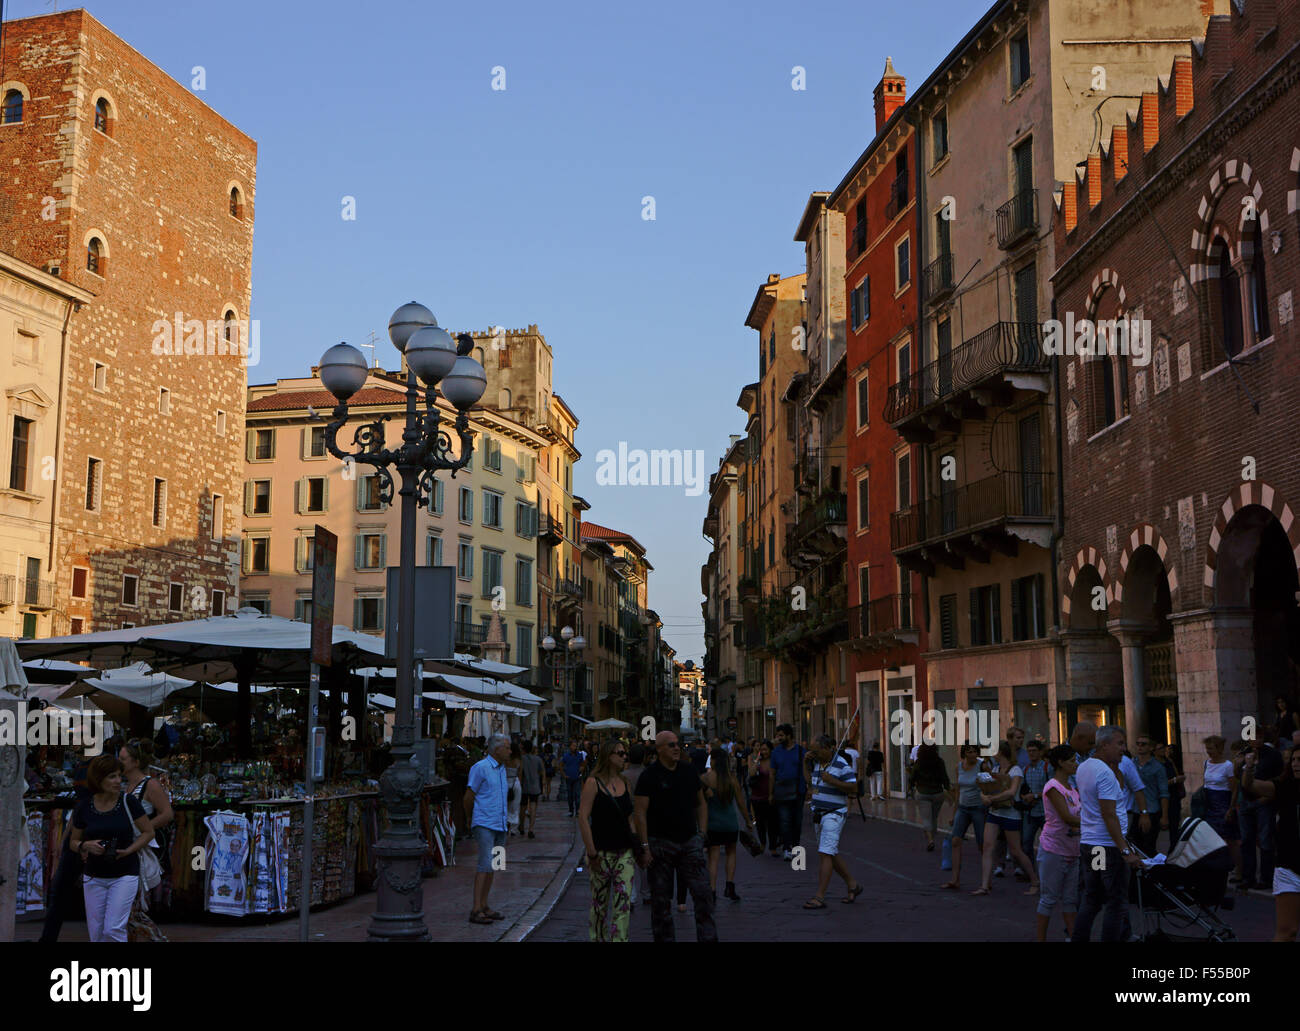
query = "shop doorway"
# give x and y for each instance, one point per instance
(900, 696)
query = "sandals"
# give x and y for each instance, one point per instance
(479, 917)
(951, 886)
(982, 891)
(492, 914)
(815, 903)
(853, 895)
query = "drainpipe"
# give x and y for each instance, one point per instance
(1058, 531)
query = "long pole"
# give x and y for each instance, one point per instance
(399, 914)
(309, 777)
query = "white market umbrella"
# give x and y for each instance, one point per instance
(609, 724)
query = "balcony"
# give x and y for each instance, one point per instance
(36, 594)
(939, 279)
(821, 530)
(991, 514)
(898, 197)
(568, 592)
(1017, 219)
(711, 525)
(982, 373)
(470, 634)
(857, 241)
(801, 635)
(749, 587)
(549, 530)
(884, 623)
(7, 581)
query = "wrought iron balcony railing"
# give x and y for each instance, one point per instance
(550, 529)
(1017, 218)
(939, 280)
(898, 197)
(830, 509)
(858, 241)
(1004, 347)
(470, 633)
(7, 581)
(997, 498)
(36, 594)
(888, 615)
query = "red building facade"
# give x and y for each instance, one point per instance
(886, 639)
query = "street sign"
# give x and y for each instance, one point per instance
(325, 547)
(732, 723)
(435, 612)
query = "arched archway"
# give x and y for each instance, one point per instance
(1146, 637)
(1094, 666)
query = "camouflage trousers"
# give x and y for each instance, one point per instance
(686, 859)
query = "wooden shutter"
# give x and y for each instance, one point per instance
(383, 551)
(1040, 626)
(1017, 611)
(299, 485)
(325, 495)
(995, 614)
(356, 614)
(304, 442)
(245, 555)
(975, 638)
(250, 444)
(359, 541)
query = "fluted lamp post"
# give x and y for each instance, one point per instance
(565, 661)
(438, 362)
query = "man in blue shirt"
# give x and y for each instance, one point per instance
(788, 786)
(485, 806)
(572, 763)
(1155, 781)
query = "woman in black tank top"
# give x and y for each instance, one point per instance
(605, 822)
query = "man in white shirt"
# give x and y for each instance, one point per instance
(1104, 856)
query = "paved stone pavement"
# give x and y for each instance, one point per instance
(902, 901)
(534, 876)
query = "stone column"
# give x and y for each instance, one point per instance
(1130, 637)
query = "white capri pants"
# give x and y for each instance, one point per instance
(108, 906)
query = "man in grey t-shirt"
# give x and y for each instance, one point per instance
(531, 774)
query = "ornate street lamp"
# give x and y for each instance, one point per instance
(432, 356)
(565, 661)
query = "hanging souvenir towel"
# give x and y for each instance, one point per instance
(228, 852)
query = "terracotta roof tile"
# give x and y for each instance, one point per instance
(323, 400)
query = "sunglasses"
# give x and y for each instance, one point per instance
(619, 752)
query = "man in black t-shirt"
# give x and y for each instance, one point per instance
(671, 818)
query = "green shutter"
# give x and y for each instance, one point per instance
(975, 638)
(995, 622)
(1017, 611)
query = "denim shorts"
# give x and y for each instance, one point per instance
(968, 816)
(486, 839)
(1058, 878)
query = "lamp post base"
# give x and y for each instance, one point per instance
(399, 909)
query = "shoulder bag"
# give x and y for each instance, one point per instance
(150, 868)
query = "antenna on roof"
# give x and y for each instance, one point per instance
(370, 343)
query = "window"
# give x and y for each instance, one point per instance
(302, 609)
(1229, 290)
(491, 571)
(304, 557)
(986, 615)
(263, 605)
(864, 503)
(904, 481)
(948, 621)
(95, 256)
(859, 227)
(313, 494)
(438, 493)
(433, 550)
(939, 135)
(503, 395)
(368, 614)
(314, 439)
(904, 362)
(257, 497)
(371, 550)
(492, 455)
(860, 302)
(903, 272)
(465, 506)
(1258, 291)
(229, 325)
(257, 555)
(771, 344)
(261, 445)
(218, 517)
(80, 580)
(159, 502)
(218, 603)
(864, 401)
(465, 561)
(525, 467)
(1027, 620)
(99, 376)
(130, 589)
(525, 519)
(94, 478)
(164, 401)
(78, 625)
(29, 348)
(523, 644)
(221, 423)
(19, 453)
(492, 509)
(524, 582)
(101, 116)
(13, 107)
(369, 497)
(236, 204)
(1020, 70)
(175, 597)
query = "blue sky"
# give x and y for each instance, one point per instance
(524, 205)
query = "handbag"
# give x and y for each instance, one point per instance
(746, 836)
(150, 868)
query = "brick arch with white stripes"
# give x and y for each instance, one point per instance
(1088, 556)
(1144, 534)
(1231, 171)
(1252, 492)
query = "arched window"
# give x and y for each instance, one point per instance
(1258, 288)
(13, 107)
(229, 325)
(503, 399)
(95, 256)
(1229, 290)
(101, 115)
(236, 203)
(1108, 369)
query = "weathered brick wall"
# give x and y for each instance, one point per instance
(156, 190)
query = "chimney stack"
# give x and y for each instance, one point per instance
(891, 94)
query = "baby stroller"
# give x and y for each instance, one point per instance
(1180, 899)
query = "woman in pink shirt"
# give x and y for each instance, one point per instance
(1058, 844)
